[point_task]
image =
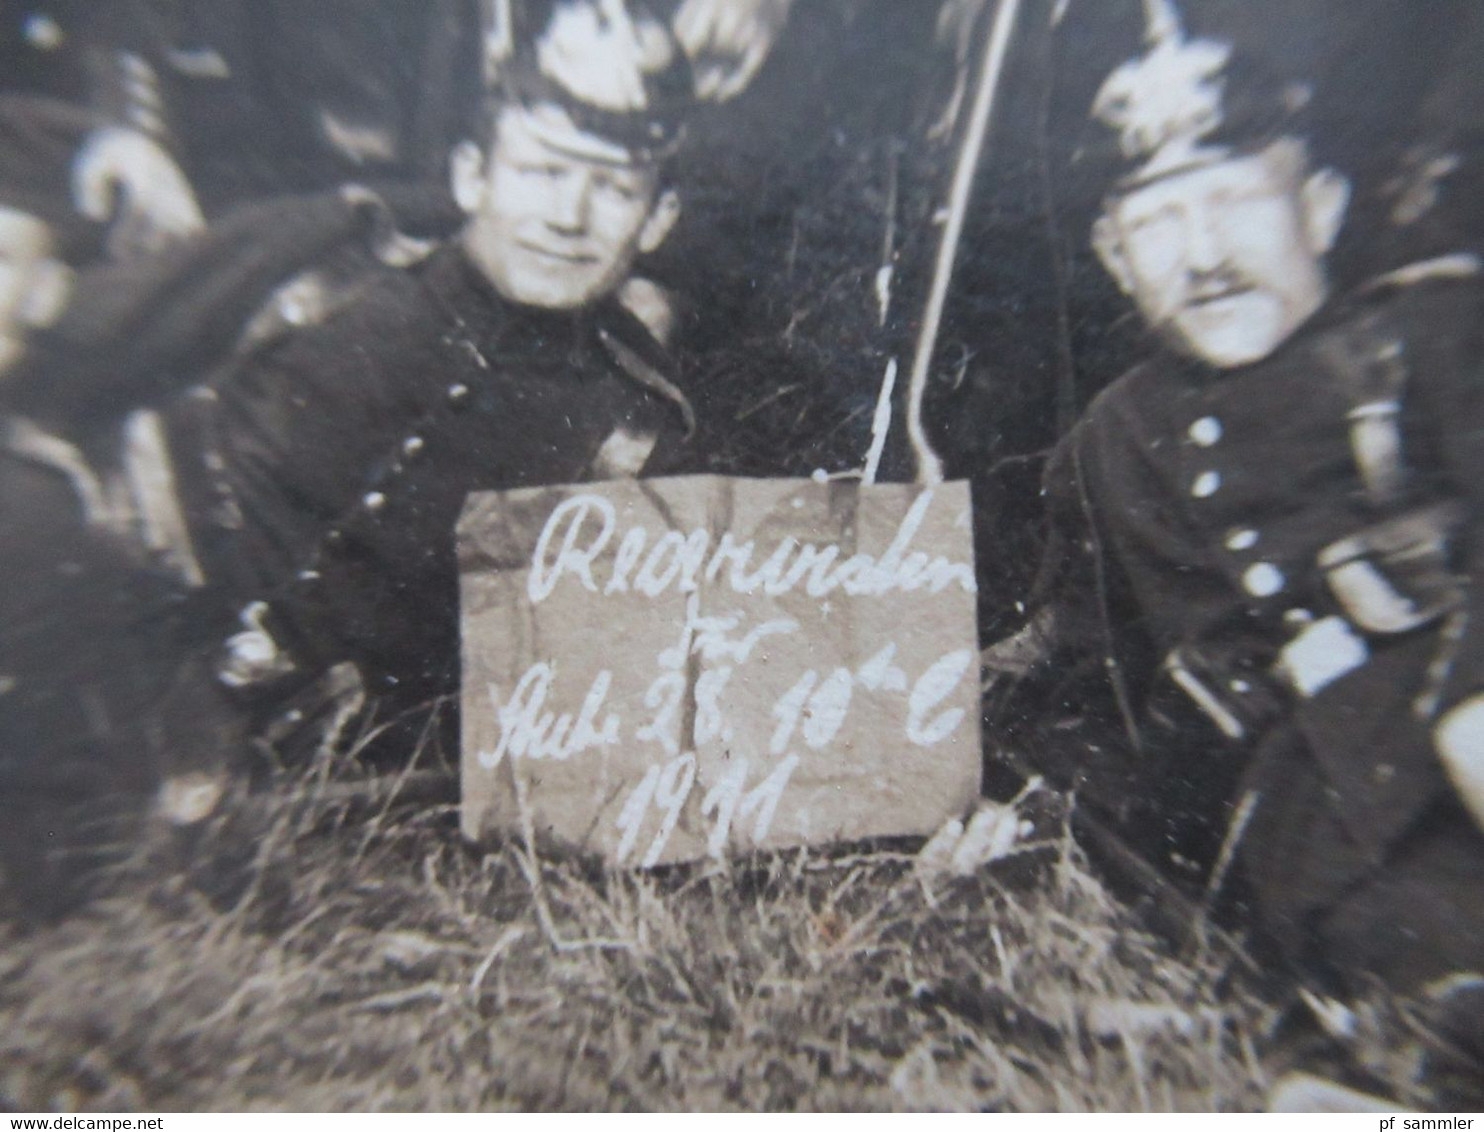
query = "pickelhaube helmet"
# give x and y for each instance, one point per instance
(1187, 103)
(612, 66)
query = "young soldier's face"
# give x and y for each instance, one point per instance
(557, 216)
(1227, 259)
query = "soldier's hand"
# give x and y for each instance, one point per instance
(126, 179)
(728, 41)
(1017, 655)
(1459, 737)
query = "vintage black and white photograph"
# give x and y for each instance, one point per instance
(741, 555)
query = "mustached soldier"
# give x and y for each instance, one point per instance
(1287, 496)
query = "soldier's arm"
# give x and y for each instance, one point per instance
(1059, 664)
(1056, 616)
(1449, 382)
(141, 332)
(1135, 588)
(1022, 651)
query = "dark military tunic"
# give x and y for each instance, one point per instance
(1210, 495)
(323, 474)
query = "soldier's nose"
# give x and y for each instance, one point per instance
(568, 207)
(1205, 251)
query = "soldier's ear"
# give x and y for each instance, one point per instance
(1325, 196)
(662, 217)
(1109, 247)
(466, 175)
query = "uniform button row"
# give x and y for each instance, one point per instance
(1261, 579)
(376, 500)
(458, 392)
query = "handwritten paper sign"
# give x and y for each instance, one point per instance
(659, 670)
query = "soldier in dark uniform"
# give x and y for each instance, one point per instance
(184, 564)
(304, 497)
(1284, 506)
(86, 677)
(99, 702)
(319, 475)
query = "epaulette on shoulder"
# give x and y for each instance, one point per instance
(388, 243)
(308, 299)
(372, 243)
(1454, 268)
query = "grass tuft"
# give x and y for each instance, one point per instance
(322, 946)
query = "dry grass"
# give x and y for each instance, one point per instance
(308, 951)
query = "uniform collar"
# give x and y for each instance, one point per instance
(624, 344)
(481, 311)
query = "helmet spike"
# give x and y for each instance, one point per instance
(1161, 22)
(499, 38)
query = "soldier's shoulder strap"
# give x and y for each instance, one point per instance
(631, 342)
(1370, 359)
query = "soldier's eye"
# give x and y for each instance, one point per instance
(1255, 198)
(620, 188)
(1153, 223)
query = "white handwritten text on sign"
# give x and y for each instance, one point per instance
(665, 669)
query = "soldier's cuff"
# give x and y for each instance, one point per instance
(1459, 739)
(1326, 650)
